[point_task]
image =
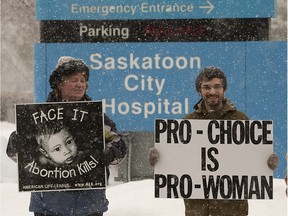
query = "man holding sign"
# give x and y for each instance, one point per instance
(211, 85)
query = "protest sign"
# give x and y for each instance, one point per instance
(61, 146)
(213, 159)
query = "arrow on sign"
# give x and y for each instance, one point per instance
(209, 6)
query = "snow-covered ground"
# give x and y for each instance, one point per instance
(126, 199)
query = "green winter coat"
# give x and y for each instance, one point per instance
(201, 207)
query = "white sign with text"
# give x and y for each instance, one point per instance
(213, 159)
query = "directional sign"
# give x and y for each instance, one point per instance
(152, 9)
(168, 30)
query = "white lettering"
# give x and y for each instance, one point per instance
(147, 109)
(167, 8)
(148, 83)
(104, 10)
(103, 31)
(147, 62)
(49, 116)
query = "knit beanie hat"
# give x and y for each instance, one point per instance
(66, 66)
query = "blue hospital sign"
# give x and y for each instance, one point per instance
(140, 82)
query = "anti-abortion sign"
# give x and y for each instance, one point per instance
(213, 159)
(61, 146)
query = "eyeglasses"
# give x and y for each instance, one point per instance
(208, 88)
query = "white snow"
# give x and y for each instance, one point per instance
(126, 199)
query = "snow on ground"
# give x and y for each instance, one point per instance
(136, 199)
(126, 199)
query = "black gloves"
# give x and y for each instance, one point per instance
(107, 157)
(13, 144)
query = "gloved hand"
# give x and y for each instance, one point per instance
(153, 156)
(107, 156)
(272, 161)
(13, 145)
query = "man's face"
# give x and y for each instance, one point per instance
(73, 87)
(212, 93)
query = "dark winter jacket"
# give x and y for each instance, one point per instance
(228, 112)
(216, 207)
(74, 202)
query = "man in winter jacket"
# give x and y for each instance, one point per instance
(211, 85)
(69, 83)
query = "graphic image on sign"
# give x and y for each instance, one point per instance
(62, 146)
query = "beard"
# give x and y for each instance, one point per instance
(213, 101)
